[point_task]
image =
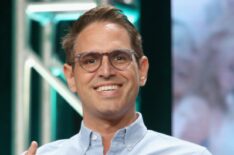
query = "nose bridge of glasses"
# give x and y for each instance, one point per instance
(106, 67)
(105, 60)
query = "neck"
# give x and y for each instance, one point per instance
(108, 127)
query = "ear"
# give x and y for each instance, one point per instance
(143, 68)
(69, 73)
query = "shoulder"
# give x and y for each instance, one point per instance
(52, 146)
(59, 146)
(171, 145)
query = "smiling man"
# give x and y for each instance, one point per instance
(105, 66)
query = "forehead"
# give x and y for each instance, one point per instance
(102, 36)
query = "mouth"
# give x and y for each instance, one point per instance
(107, 88)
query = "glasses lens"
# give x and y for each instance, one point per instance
(120, 59)
(90, 61)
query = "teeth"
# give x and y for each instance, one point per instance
(107, 88)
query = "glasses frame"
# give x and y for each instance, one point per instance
(108, 54)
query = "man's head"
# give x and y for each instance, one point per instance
(101, 14)
(107, 64)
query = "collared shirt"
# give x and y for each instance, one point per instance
(134, 139)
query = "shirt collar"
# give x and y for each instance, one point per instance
(84, 137)
(135, 132)
(132, 134)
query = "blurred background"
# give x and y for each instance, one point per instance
(203, 73)
(189, 93)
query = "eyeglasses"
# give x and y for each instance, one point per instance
(91, 61)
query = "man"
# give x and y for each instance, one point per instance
(105, 67)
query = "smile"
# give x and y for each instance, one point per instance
(108, 88)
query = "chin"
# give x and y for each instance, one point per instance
(111, 114)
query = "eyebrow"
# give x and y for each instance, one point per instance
(108, 51)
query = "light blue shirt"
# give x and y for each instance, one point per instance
(134, 139)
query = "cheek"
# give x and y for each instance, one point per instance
(82, 80)
(133, 81)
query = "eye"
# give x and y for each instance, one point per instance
(120, 57)
(89, 59)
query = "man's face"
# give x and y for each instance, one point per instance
(108, 93)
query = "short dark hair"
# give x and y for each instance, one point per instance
(101, 13)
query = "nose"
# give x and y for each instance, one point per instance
(106, 70)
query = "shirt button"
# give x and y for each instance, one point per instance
(129, 147)
(94, 137)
